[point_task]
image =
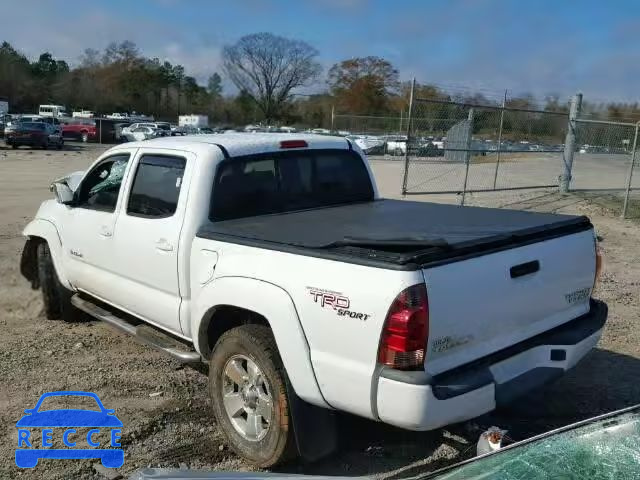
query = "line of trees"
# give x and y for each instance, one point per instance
(267, 71)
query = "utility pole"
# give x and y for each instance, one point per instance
(495, 174)
(570, 142)
(467, 155)
(406, 153)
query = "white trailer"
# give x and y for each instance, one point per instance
(196, 121)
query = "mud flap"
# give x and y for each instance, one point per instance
(315, 428)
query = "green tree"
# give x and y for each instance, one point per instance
(363, 85)
(214, 85)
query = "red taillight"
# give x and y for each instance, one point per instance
(293, 144)
(406, 329)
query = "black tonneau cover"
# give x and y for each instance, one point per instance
(393, 233)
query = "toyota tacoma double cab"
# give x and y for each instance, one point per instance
(272, 258)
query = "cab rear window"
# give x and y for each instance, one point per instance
(287, 181)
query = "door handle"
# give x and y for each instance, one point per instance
(105, 231)
(524, 269)
(164, 246)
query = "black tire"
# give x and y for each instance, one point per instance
(14, 146)
(45, 145)
(56, 298)
(257, 343)
(60, 145)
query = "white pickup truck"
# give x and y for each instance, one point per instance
(271, 258)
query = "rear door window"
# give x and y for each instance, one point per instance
(288, 181)
(156, 186)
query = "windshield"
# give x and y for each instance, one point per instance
(64, 402)
(609, 448)
(286, 181)
(33, 126)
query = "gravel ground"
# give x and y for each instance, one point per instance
(164, 407)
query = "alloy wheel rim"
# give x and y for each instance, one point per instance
(247, 398)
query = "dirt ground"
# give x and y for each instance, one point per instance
(174, 427)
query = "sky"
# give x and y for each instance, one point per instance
(536, 46)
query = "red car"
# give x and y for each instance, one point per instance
(79, 129)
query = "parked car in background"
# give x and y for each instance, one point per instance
(142, 133)
(55, 122)
(118, 116)
(82, 129)
(164, 127)
(83, 114)
(34, 134)
(370, 144)
(395, 144)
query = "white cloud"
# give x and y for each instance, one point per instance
(66, 37)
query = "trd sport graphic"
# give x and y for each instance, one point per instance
(32, 446)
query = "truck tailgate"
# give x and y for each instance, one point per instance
(489, 302)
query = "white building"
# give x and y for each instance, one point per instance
(196, 121)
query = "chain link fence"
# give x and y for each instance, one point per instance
(482, 148)
(464, 149)
(605, 167)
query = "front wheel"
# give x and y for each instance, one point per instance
(56, 298)
(248, 393)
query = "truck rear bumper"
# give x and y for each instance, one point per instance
(418, 401)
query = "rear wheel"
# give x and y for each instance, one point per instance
(248, 394)
(45, 144)
(56, 298)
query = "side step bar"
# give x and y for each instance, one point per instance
(143, 333)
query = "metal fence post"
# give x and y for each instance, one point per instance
(406, 153)
(495, 174)
(333, 116)
(570, 142)
(467, 155)
(630, 174)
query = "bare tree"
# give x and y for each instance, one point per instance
(267, 67)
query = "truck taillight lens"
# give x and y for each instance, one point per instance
(406, 329)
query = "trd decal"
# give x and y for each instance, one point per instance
(335, 301)
(329, 299)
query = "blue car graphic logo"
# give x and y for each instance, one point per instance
(40, 446)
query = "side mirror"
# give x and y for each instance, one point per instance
(64, 194)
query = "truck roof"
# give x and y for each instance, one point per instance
(239, 144)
